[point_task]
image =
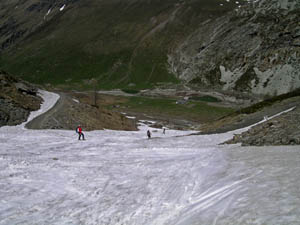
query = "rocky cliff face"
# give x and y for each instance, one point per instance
(255, 49)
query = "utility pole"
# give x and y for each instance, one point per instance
(94, 81)
(95, 96)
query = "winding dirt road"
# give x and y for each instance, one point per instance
(41, 121)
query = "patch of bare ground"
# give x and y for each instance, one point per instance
(74, 108)
(281, 130)
(238, 120)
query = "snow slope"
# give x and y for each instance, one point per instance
(121, 177)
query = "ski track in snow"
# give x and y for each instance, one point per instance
(121, 177)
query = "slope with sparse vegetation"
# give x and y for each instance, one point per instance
(107, 44)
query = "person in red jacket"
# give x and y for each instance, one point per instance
(79, 132)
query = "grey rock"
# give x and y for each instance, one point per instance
(296, 42)
(245, 51)
(17, 99)
(11, 114)
(24, 88)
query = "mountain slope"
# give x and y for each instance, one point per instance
(243, 46)
(254, 49)
(117, 43)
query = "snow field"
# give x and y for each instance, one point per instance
(120, 177)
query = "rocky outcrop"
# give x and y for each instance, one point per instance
(11, 114)
(281, 130)
(17, 100)
(253, 49)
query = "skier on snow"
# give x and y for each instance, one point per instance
(149, 134)
(79, 132)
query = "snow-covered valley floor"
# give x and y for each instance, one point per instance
(120, 177)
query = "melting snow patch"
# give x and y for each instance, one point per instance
(63, 7)
(75, 100)
(147, 122)
(130, 117)
(49, 11)
(49, 101)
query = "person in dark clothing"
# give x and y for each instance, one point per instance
(149, 134)
(79, 132)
